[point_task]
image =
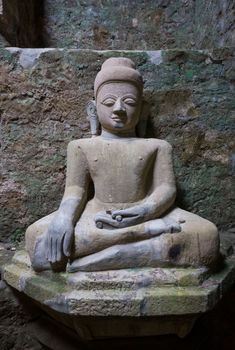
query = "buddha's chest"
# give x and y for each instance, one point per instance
(119, 163)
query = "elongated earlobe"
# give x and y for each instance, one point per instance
(93, 118)
(142, 124)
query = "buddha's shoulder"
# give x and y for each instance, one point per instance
(158, 143)
(76, 147)
(81, 143)
(96, 142)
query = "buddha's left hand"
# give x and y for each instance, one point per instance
(122, 218)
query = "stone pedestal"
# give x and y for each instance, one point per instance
(123, 303)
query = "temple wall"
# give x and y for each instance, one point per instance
(115, 24)
(139, 24)
(43, 95)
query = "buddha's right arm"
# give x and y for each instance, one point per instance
(61, 229)
(77, 181)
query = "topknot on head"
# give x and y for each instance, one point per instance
(118, 61)
(118, 69)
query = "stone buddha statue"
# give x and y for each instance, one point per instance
(132, 220)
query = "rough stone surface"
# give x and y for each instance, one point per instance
(139, 25)
(14, 319)
(43, 97)
(14, 322)
(115, 24)
(214, 23)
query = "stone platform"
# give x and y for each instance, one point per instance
(121, 303)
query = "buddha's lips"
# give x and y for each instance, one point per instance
(118, 118)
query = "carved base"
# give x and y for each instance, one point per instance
(123, 303)
(95, 328)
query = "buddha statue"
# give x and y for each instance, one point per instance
(132, 220)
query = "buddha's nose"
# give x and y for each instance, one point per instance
(119, 106)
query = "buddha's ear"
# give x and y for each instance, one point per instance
(93, 118)
(142, 124)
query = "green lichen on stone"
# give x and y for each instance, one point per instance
(34, 288)
(8, 57)
(18, 235)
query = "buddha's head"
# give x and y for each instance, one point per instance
(118, 93)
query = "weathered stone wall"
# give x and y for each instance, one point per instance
(214, 23)
(43, 95)
(115, 24)
(139, 24)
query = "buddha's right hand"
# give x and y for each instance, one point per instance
(59, 238)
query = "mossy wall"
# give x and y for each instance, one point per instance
(139, 24)
(43, 94)
(119, 24)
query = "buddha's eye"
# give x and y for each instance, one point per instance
(130, 101)
(109, 102)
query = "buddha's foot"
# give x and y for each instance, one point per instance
(160, 226)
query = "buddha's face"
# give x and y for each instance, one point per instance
(118, 106)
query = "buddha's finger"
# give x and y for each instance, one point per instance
(54, 251)
(58, 249)
(49, 249)
(131, 220)
(124, 212)
(67, 245)
(48, 246)
(106, 220)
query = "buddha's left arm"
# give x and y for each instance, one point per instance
(164, 189)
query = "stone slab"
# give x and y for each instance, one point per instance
(134, 292)
(157, 301)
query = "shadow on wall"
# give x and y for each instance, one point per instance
(21, 22)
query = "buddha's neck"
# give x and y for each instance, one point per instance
(109, 135)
